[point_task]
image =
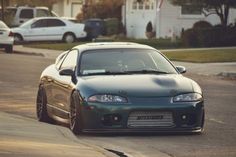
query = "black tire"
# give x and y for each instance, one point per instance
(75, 117)
(9, 48)
(69, 38)
(41, 106)
(18, 38)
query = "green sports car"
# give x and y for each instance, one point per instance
(119, 87)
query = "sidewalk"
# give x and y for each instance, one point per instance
(222, 69)
(24, 137)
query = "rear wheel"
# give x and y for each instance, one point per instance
(69, 38)
(9, 48)
(41, 106)
(75, 120)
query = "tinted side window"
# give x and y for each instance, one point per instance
(39, 24)
(55, 23)
(26, 13)
(42, 13)
(70, 60)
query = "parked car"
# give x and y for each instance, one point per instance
(6, 37)
(94, 28)
(119, 87)
(49, 29)
(15, 16)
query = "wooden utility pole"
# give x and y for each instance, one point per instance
(2, 4)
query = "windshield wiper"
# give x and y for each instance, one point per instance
(107, 73)
(127, 72)
(147, 72)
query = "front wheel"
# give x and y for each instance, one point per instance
(75, 120)
(41, 107)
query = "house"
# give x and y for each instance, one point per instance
(168, 20)
(68, 8)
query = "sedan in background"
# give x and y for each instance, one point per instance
(119, 87)
(49, 29)
(6, 37)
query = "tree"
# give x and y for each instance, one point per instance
(219, 7)
(101, 9)
(47, 3)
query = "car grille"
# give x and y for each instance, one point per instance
(143, 119)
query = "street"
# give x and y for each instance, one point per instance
(19, 80)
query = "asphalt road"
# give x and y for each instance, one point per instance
(19, 78)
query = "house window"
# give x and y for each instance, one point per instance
(191, 10)
(134, 5)
(143, 4)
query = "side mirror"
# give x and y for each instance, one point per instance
(66, 72)
(181, 69)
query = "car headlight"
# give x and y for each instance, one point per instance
(107, 98)
(190, 97)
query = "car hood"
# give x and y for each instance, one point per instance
(136, 85)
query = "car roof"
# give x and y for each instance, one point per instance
(26, 7)
(111, 45)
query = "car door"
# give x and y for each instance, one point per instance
(37, 31)
(62, 86)
(55, 29)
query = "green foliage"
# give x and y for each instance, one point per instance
(47, 3)
(202, 24)
(210, 36)
(189, 38)
(101, 9)
(112, 26)
(149, 27)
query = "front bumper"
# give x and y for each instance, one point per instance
(98, 117)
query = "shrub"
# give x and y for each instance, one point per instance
(189, 38)
(202, 24)
(112, 26)
(149, 27)
(204, 35)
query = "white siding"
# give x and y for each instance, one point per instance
(68, 8)
(136, 21)
(58, 8)
(168, 21)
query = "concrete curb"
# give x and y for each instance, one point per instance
(21, 135)
(30, 54)
(227, 75)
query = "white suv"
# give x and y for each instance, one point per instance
(6, 37)
(15, 16)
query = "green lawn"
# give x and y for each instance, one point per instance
(198, 56)
(203, 56)
(54, 46)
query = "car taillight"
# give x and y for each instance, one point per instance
(11, 34)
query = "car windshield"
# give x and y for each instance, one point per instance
(124, 61)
